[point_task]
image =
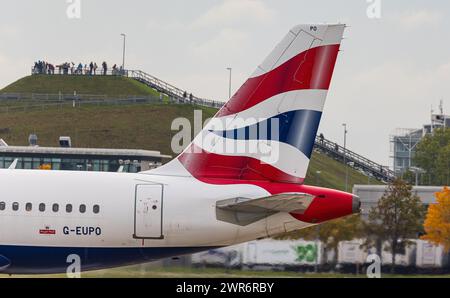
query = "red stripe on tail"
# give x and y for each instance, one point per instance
(311, 69)
(203, 164)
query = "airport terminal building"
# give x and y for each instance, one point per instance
(404, 141)
(79, 159)
(371, 194)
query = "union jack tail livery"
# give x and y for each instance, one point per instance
(266, 131)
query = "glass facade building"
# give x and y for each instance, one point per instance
(404, 142)
(80, 159)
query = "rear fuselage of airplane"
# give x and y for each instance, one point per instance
(240, 179)
(112, 219)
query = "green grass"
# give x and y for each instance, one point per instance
(146, 271)
(82, 84)
(125, 126)
(332, 174)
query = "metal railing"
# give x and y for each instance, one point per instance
(354, 160)
(42, 97)
(77, 71)
(175, 94)
(33, 105)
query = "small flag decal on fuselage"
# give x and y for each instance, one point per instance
(47, 231)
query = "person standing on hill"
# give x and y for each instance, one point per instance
(79, 68)
(51, 69)
(91, 67)
(105, 67)
(95, 68)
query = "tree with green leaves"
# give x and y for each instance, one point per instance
(397, 217)
(433, 155)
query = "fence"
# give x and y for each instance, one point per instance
(41, 97)
(354, 160)
(176, 94)
(77, 71)
(33, 105)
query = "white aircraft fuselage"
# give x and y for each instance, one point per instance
(141, 217)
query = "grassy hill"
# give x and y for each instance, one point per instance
(135, 126)
(67, 84)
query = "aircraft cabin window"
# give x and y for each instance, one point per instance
(15, 206)
(55, 207)
(2, 205)
(96, 209)
(69, 208)
(42, 207)
(82, 208)
(28, 207)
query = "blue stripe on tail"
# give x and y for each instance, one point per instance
(296, 128)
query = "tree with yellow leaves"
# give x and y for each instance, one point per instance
(437, 222)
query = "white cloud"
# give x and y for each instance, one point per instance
(2, 59)
(377, 100)
(12, 69)
(444, 70)
(7, 31)
(227, 42)
(414, 19)
(232, 11)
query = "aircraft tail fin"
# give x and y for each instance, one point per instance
(266, 131)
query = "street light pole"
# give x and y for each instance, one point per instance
(229, 83)
(123, 52)
(345, 155)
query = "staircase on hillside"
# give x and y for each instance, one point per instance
(352, 159)
(173, 92)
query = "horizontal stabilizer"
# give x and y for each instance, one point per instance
(244, 211)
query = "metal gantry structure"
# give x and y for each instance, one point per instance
(170, 90)
(354, 160)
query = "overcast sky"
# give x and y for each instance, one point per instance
(391, 70)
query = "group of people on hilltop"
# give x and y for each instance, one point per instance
(42, 67)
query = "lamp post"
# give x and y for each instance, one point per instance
(229, 83)
(123, 51)
(345, 155)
